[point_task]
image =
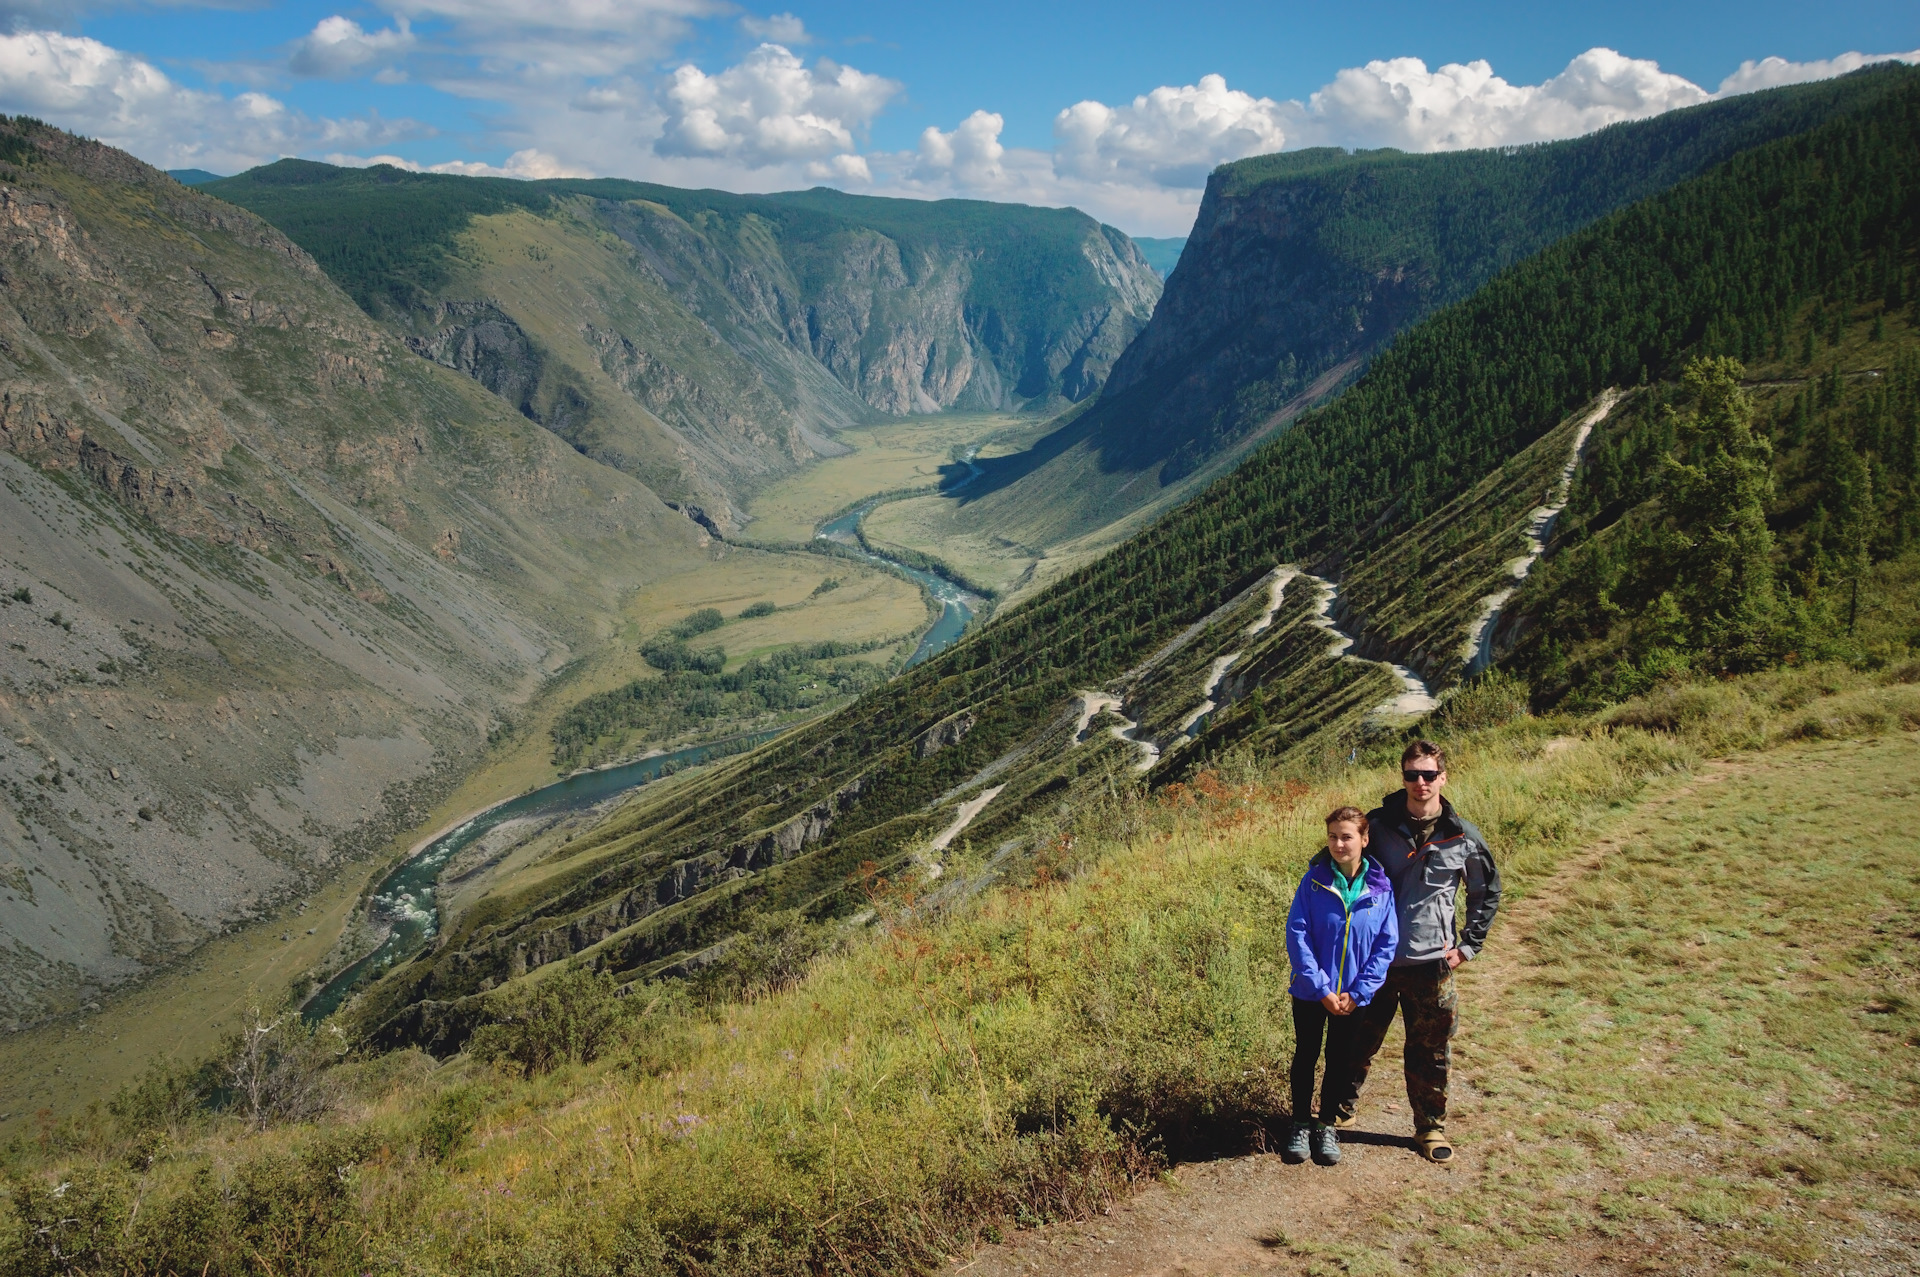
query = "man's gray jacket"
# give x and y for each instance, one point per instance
(1426, 877)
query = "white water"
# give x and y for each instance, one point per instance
(1479, 646)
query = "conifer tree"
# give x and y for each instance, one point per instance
(1716, 484)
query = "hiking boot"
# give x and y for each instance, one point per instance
(1326, 1146)
(1295, 1150)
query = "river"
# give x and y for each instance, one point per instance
(404, 902)
(957, 605)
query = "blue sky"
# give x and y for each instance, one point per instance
(1120, 108)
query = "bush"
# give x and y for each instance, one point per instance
(70, 1227)
(772, 954)
(449, 1122)
(707, 618)
(1493, 699)
(277, 1070)
(765, 607)
(165, 1096)
(670, 654)
(569, 1017)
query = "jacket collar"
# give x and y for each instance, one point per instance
(1320, 869)
(1394, 808)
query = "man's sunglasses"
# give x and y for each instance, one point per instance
(1411, 774)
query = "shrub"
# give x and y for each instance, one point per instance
(276, 1069)
(670, 654)
(1491, 700)
(765, 607)
(70, 1227)
(772, 954)
(449, 1122)
(698, 623)
(569, 1017)
(164, 1096)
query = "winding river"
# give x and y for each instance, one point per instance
(957, 605)
(404, 903)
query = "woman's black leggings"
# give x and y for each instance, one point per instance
(1310, 1022)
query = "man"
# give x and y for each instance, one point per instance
(1428, 851)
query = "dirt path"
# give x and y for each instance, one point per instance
(1256, 1214)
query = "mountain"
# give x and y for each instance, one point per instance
(1290, 608)
(1161, 254)
(707, 342)
(1303, 265)
(267, 577)
(192, 176)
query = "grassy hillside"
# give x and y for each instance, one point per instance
(708, 341)
(1446, 440)
(1026, 1048)
(1304, 265)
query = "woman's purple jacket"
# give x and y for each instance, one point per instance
(1332, 949)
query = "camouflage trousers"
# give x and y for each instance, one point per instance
(1425, 996)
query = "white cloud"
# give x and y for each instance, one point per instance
(126, 101)
(1771, 73)
(769, 109)
(971, 155)
(779, 28)
(338, 47)
(529, 164)
(1400, 103)
(507, 50)
(1170, 137)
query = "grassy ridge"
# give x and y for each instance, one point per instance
(1023, 1059)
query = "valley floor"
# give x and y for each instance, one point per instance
(1676, 1056)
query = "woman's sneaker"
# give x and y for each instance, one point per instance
(1295, 1150)
(1326, 1146)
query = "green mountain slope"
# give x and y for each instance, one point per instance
(1413, 488)
(1302, 265)
(266, 578)
(707, 342)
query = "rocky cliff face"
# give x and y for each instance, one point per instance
(268, 576)
(708, 343)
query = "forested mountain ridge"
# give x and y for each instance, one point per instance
(266, 578)
(1412, 488)
(1303, 265)
(707, 342)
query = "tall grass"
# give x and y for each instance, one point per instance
(931, 1082)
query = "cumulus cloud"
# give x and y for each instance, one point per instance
(1171, 136)
(92, 88)
(778, 28)
(339, 47)
(770, 108)
(1771, 73)
(1400, 103)
(970, 155)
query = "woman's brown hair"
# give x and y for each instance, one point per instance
(1352, 815)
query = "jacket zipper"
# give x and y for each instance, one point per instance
(1346, 936)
